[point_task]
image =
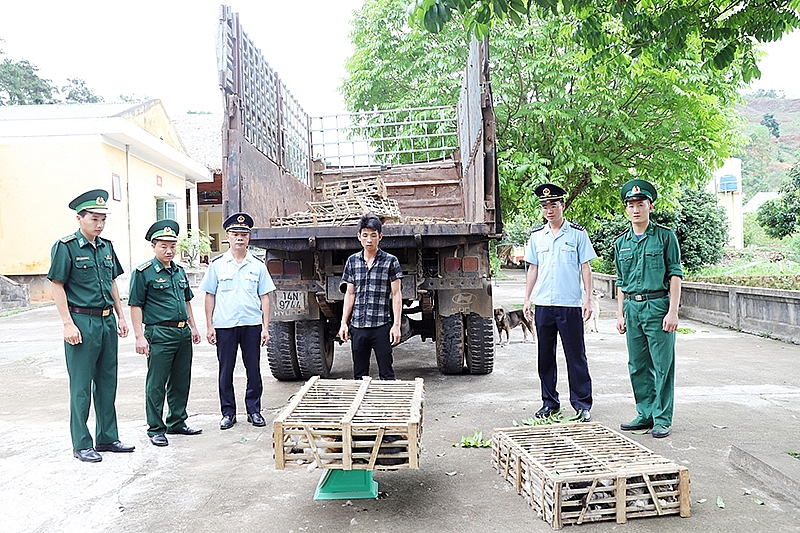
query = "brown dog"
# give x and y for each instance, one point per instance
(508, 320)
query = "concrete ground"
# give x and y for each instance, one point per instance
(733, 390)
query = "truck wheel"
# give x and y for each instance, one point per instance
(480, 344)
(281, 353)
(450, 344)
(314, 348)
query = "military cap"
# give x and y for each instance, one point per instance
(165, 230)
(241, 222)
(93, 201)
(638, 190)
(548, 192)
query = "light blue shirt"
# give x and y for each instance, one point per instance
(237, 288)
(559, 259)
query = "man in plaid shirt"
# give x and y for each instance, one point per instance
(373, 279)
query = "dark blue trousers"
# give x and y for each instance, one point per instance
(567, 322)
(228, 341)
(364, 340)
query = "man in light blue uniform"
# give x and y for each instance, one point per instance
(237, 287)
(558, 255)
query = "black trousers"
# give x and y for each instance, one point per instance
(228, 341)
(364, 340)
(551, 321)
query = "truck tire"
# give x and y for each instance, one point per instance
(450, 344)
(281, 352)
(480, 344)
(314, 348)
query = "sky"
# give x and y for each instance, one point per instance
(167, 49)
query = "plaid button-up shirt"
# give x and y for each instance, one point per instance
(373, 288)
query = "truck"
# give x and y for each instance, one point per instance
(435, 165)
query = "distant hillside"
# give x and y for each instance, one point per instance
(766, 159)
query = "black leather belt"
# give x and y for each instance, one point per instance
(89, 311)
(181, 324)
(647, 296)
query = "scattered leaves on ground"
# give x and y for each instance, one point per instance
(720, 503)
(475, 441)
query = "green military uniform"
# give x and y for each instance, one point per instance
(162, 294)
(87, 271)
(644, 267)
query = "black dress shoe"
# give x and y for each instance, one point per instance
(546, 411)
(185, 430)
(583, 415)
(89, 455)
(116, 447)
(227, 422)
(159, 439)
(256, 419)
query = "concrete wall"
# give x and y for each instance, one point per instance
(772, 312)
(13, 295)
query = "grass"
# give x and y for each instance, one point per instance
(760, 267)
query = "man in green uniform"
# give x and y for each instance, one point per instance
(83, 270)
(160, 297)
(648, 261)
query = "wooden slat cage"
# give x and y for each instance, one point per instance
(351, 425)
(585, 472)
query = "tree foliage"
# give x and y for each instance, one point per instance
(771, 124)
(727, 30)
(781, 217)
(21, 84)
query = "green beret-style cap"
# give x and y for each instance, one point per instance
(93, 201)
(165, 230)
(638, 190)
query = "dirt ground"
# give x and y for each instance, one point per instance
(732, 388)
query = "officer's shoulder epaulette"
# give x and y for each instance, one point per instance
(68, 238)
(620, 235)
(144, 266)
(662, 226)
(537, 228)
(577, 226)
(219, 256)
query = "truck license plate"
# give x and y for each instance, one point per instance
(290, 303)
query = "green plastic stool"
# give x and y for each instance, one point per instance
(337, 484)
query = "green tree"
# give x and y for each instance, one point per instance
(559, 118)
(20, 84)
(728, 30)
(701, 226)
(771, 124)
(192, 245)
(76, 92)
(781, 217)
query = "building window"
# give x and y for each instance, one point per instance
(166, 209)
(214, 242)
(116, 188)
